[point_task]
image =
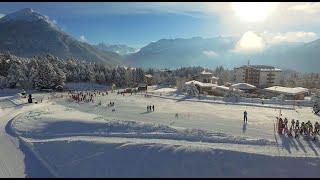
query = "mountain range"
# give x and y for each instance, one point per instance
(27, 33)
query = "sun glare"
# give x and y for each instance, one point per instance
(253, 11)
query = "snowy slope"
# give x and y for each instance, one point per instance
(206, 140)
(13, 162)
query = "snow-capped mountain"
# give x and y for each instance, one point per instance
(26, 14)
(121, 49)
(27, 33)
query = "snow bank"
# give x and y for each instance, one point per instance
(34, 125)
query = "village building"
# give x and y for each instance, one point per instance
(261, 76)
(297, 93)
(204, 82)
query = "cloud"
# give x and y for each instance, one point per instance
(83, 39)
(210, 53)
(250, 42)
(300, 36)
(309, 8)
(2, 15)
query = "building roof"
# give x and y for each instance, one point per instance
(206, 73)
(214, 78)
(201, 84)
(148, 75)
(261, 67)
(287, 90)
(225, 88)
(243, 86)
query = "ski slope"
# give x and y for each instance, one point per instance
(72, 139)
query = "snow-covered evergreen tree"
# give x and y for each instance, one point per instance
(192, 89)
(46, 75)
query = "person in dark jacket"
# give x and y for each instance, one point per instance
(245, 118)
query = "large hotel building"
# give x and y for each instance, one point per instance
(258, 75)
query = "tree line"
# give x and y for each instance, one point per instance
(48, 71)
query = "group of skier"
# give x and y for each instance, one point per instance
(150, 108)
(306, 129)
(86, 96)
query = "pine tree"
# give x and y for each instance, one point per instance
(46, 75)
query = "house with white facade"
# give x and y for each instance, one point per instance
(204, 82)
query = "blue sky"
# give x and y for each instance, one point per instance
(138, 23)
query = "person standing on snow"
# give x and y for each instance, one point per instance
(292, 123)
(297, 124)
(285, 123)
(245, 118)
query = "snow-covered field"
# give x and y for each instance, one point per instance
(63, 138)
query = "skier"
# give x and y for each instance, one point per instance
(302, 128)
(280, 128)
(245, 118)
(177, 115)
(296, 132)
(153, 108)
(285, 123)
(292, 123)
(316, 128)
(297, 124)
(306, 127)
(310, 130)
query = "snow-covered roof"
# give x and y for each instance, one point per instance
(243, 86)
(261, 67)
(287, 90)
(205, 73)
(223, 87)
(201, 84)
(148, 75)
(214, 78)
(275, 69)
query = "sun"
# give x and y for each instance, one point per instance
(253, 11)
